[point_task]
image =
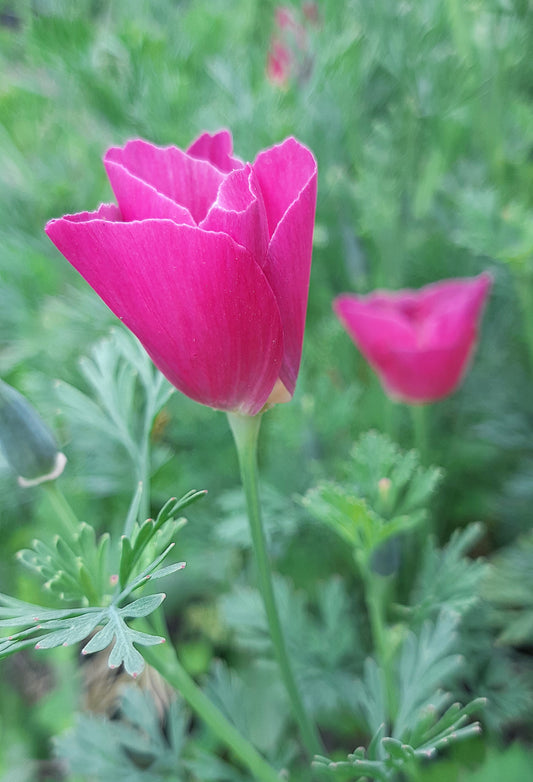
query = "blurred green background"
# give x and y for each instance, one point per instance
(420, 116)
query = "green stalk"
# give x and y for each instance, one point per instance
(245, 431)
(177, 677)
(61, 508)
(143, 457)
(374, 593)
(420, 430)
(524, 288)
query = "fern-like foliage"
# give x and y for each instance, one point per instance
(509, 588)
(75, 567)
(137, 748)
(385, 492)
(132, 749)
(448, 578)
(321, 634)
(423, 719)
(117, 372)
(46, 628)
(126, 392)
(82, 565)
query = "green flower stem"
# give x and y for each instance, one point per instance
(175, 674)
(245, 431)
(61, 508)
(524, 288)
(374, 590)
(391, 409)
(420, 430)
(143, 463)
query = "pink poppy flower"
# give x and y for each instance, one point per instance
(284, 17)
(207, 260)
(418, 342)
(279, 63)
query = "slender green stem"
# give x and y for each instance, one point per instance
(174, 673)
(374, 589)
(62, 509)
(143, 465)
(524, 288)
(390, 416)
(420, 430)
(144, 481)
(245, 431)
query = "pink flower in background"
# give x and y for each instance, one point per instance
(418, 342)
(284, 17)
(279, 62)
(207, 260)
(311, 12)
(290, 55)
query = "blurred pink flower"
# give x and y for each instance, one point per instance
(279, 62)
(207, 260)
(311, 13)
(418, 342)
(284, 17)
(290, 54)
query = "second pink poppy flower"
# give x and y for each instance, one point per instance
(418, 342)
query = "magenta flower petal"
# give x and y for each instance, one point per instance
(186, 296)
(104, 212)
(217, 148)
(138, 200)
(288, 178)
(283, 172)
(418, 342)
(207, 261)
(239, 211)
(188, 181)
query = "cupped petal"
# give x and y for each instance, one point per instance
(190, 182)
(138, 200)
(388, 341)
(452, 309)
(283, 172)
(288, 265)
(427, 375)
(419, 342)
(239, 211)
(202, 309)
(217, 148)
(375, 326)
(104, 212)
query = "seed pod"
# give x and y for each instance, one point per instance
(26, 441)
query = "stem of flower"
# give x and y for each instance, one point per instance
(420, 430)
(374, 591)
(245, 431)
(62, 509)
(524, 284)
(172, 670)
(143, 461)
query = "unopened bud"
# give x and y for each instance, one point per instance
(26, 441)
(384, 485)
